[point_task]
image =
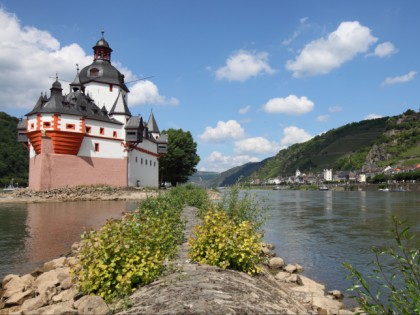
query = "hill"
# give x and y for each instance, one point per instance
(370, 145)
(14, 158)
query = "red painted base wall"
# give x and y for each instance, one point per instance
(49, 170)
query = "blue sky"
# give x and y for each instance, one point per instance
(246, 78)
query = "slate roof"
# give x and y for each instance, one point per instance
(75, 103)
(120, 106)
(152, 125)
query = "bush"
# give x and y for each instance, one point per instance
(222, 242)
(230, 235)
(398, 281)
(131, 251)
(191, 195)
(241, 205)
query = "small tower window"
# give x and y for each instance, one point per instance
(70, 126)
(94, 72)
(114, 134)
(102, 131)
(96, 147)
(110, 87)
(47, 124)
(88, 129)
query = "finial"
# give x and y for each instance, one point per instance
(56, 76)
(102, 33)
(77, 66)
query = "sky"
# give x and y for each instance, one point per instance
(246, 78)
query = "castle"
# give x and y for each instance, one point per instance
(72, 141)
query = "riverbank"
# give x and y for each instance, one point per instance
(79, 193)
(185, 288)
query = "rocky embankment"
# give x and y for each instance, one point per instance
(79, 193)
(185, 288)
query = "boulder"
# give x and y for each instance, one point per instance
(336, 294)
(92, 305)
(71, 261)
(14, 284)
(66, 283)
(310, 287)
(18, 298)
(299, 268)
(326, 303)
(51, 279)
(276, 263)
(290, 268)
(63, 308)
(65, 295)
(54, 264)
(7, 278)
(34, 303)
(288, 277)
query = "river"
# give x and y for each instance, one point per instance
(316, 229)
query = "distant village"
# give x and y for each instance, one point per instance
(329, 176)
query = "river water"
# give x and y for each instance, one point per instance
(316, 229)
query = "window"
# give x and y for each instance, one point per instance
(88, 129)
(136, 159)
(70, 126)
(47, 124)
(141, 161)
(110, 87)
(102, 131)
(94, 72)
(146, 162)
(114, 134)
(96, 147)
(32, 126)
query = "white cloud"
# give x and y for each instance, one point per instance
(290, 105)
(256, 145)
(244, 110)
(372, 116)
(323, 118)
(292, 135)
(223, 131)
(146, 92)
(217, 162)
(384, 50)
(30, 59)
(302, 25)
(335, 109)
(400, 79)
(325, 54)
(243, 65)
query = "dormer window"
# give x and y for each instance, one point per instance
(94, 72)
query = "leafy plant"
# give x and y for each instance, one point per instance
(131, 251)
(220, 241)
(398, 281)
(241, 205)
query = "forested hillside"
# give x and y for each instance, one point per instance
(370, 145)
(13, 155)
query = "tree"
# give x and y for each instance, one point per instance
(180, 161)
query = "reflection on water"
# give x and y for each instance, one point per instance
(31, 234)
(322, 229)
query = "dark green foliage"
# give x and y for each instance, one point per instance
(180, 161)
(393, 287)
(14, 157)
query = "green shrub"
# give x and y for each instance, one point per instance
(398, 281)
(241, 205)
(222, 242)
(191, 195)
(131, 251)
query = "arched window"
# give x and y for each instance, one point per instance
(94, 72)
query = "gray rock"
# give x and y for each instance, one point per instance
(18, 298)
(92, 305)
(54, 264)
(34, 303)
(290, 268)
(336, 294)
(276, 263)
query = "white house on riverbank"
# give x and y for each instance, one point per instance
(73, 141)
